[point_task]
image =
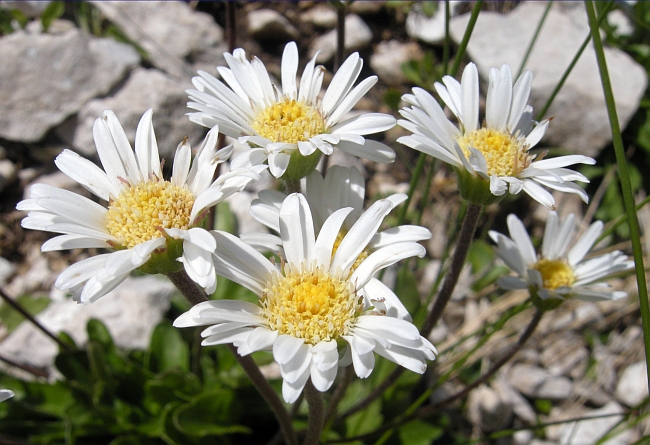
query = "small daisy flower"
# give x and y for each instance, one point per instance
(310, 305)
(493, 158)
(151, 223)
(558, 273)
(343, 187)
(291, 123)
(6, 394)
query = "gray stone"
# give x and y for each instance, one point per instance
(590, 431)
(499, 39)
(38, 277)
(536, 382)
(366, 7)
(323, 16)
(145, 88)
(428, 29)
(487, 409)
(605, 371)
(357, 36)
(591, 392)
(563, 354)
(388, 58)
(8, 171)
(46, 78)
(632, 386)
(130, 313)
(169, 31)
(7, 269)
(520, 406)
(268, 24)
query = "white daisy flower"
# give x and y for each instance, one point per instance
(558, 272)
(493, 158)
(290, 122)
(146, 215)
(343, 187)
(6, 394)
(310, 303)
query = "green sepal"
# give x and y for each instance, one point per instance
(164, 261)
(475, 189)
(300, 166)
(544, 304)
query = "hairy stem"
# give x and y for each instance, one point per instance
(316, 414)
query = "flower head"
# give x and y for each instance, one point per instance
(6, 394)
(310, 303)
(493, 158)
(558, 272)
(343, 187)
(152, 223)
(290, 127)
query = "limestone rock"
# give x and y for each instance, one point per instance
(169, 31)
(632, 386)
(268, 24)
(536, 382)
(428, 29)
(499, 39)
(388, 58)
(357, 36)
(488, 409)
(130, 313)
(323, 16)
(145, 88)
(46, 78)
(8, 172)
(587, 432)
(7, 269)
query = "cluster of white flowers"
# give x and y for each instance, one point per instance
(320, 304)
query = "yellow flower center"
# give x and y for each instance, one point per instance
(362, 256)
(504, 154)
(310, 305)
(289, 121)
(555, 273)
(141, 210)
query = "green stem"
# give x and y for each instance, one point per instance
(414, 182)
(534, 39)
(195, 295)
(624, 175)
(468, 33)
(446, 45)
(316, 414)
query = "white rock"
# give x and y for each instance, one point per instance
(8, 172)
(429, 29)
(388, 58)
(366, 7)
(522, 437)
(323, 16)
(145, 88)
(536, 382)
(268, 24)
(622, 23)
(520, 405)
(130, 313)
(632, 386)
(7, 269)
(38, 276)
(169, 31)
(588, 432)
(357, 36)
(499, 39)
(46, 78)
(488, 409)
(29, 8)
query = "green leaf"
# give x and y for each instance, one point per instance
(365, 421)
(419, 432)
(392, 98)
(53, 11)
(167, 350)
(10, 318)
(75, 366)
(170, 387)
(98, 332)
(480, 255)
(406, 289)
(211, 413)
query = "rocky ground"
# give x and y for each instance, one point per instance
(584, 360)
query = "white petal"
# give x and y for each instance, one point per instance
(113, 138)
(293, 369)
(584, 244)
(371, 150)
(341, 83)
(512, 283)
(291, 391)
(6, 394)
(86, 173)
(289, 69)
(286, 347)
(297, 230)
(382, 258)
(469, 101)
(64, 242)
(367, 123)
(540, 195)
(182, 161)
(146, 147)
(520, 236)
(499, 98)
(278, 163)
(351, 100)
(520, 93)
(327, 236)
(261, 339)
(378, 291)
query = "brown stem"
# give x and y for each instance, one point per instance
(37, 372)
(14, 304)
(316, 414)
(231, 25)
(340, 35)
(465, 236)
(430, 409)
(195, 295)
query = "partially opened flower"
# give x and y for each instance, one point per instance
(290, 127)
(493, 158)
(558, 273)
(6, 394)
(344, 187)
(150, 222)
(309, 305)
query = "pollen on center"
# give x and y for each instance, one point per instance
(310, 305)
(505, 154)
(289, 121)
(555, 273)
(138, 213)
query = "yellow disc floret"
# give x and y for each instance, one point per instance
(505, 154)
(138, 213)
(310, 305)
(289, 121)
(555, 273)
